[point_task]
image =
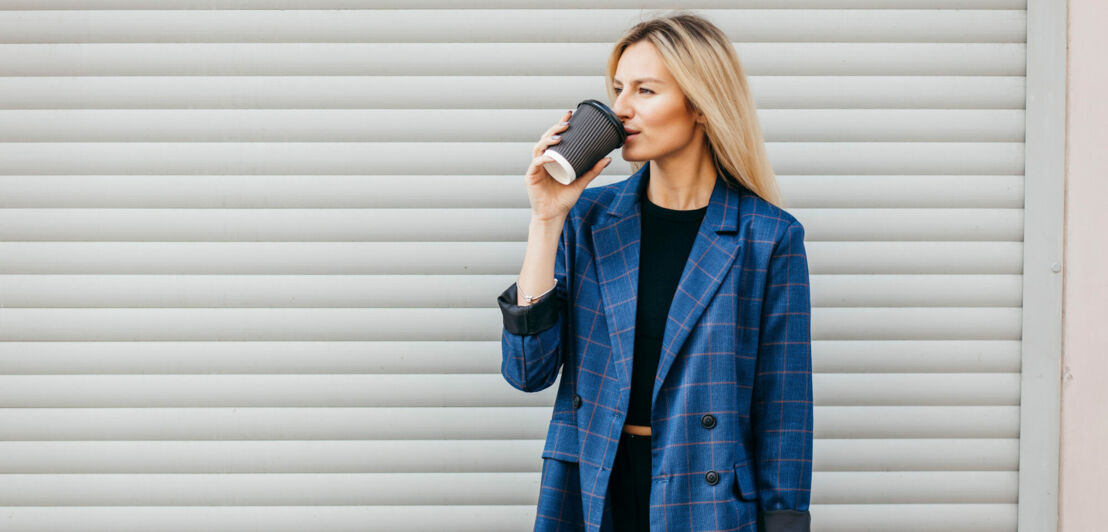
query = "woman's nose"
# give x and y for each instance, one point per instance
(620, 109)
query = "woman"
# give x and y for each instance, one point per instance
(676, 305)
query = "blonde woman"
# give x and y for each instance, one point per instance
(674, 304)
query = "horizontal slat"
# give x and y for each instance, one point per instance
(148, 423)
(481, 59)
(223, 517)
(128, 358)
(455, 258)
(442, 357)
(911, 257)
(471, 191)
(896, 290)
(465, 125)
(446, 291)
(916, 517)
(837, 389)
(482, 92)
(405, 423)
(915, 356)
(469, 518)
(949, 323)
(845, 191)
(899, 487)
(517, 4)
(429, 225)
(916, 421)
(349, 456)
(450, 488)
(449, 456)
(466, 324)
(924, 454)
(507, 158)
(501, 25)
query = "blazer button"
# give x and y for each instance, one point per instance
(708, 421)
(712, 477)
(576, 401)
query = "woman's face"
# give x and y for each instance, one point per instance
(656, 108)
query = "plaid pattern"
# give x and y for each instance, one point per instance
(732, 400)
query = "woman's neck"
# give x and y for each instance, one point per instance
(681, 186)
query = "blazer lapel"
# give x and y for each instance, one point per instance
(713, 252)
(616, 241)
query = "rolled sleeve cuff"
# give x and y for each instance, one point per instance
(785, 521)
(528, 319)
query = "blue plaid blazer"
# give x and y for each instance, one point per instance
(731, 417)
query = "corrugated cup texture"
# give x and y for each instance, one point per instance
(593, 132)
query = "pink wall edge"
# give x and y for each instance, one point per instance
(1083, 473)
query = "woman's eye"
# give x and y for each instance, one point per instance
(640, 88)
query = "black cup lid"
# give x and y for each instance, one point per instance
(610, 115)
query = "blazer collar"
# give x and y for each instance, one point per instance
(616, 240)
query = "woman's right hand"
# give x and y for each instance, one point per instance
(551, 200)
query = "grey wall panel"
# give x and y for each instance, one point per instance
(225, 228)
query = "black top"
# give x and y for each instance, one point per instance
(667, 239)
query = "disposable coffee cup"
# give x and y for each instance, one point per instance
(593, 132)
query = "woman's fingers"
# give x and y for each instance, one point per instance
(544, 141)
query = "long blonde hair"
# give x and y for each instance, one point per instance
(703, 61)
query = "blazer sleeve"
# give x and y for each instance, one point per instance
(781, 410)
(531, 342)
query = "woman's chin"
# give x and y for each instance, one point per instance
(630, 157)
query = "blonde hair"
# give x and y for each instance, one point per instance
(703, 61)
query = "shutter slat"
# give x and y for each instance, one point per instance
(499, 25)
(389, 423)
(839, 389)
(465, 125)
(470, 59)
(429, 225)
(995, 158)
(414, 357)
(443, 455)
(490, 92)
(462, 518)
(450, 488)
(458, 191)
(298, 324)
(451, 291)
(455, 258)
(438, 5)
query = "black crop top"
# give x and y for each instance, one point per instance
(667, 239)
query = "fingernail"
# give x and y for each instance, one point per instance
(554, 137)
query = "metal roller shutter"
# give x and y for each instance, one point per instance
(249, 253)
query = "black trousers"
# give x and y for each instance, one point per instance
(630, 484)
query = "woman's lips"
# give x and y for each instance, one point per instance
(631, 135)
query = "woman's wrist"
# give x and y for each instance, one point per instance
(550, 221)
